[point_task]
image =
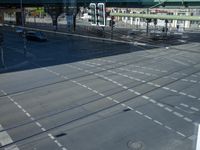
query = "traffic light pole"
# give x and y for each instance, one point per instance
(166, 27)
(147, 28)
(103, 31)
(112, 26)
(25, 47)
(155, 23)
(111, 32)
(2, 56)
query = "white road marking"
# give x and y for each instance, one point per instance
(119, 84)
(43, 129)
(150, 83)
(174, 90)
(59, 145)
(28, 114)
(101, 94)
(137, 93)
(109, 98)
(139, 112)
(51, 136)
(153, 101)
(185, 105)
(158, 122)
(182, 93)
(66, 78)
(180, 133)
(89, 88)
(187, 119)
(38, 124)
(168, 127)
(125, 87)
(145, 97)
(178, 114)
(24, 110)
(184, 80)
(131, 90)
(168, 109)
(191, 96)
(95, 91)
(157, 85)
(148, 117)
(6, 139)
(194, 108)
(123, 105)
(194, 81)
(116, 101)
(84, 86)
(16, 103)
(19, 106)
(130, 108)
(166, 88)
(159, 104)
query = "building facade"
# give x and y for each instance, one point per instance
(160, 23)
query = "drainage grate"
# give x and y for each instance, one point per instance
(135, 145)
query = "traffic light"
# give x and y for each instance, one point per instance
(92, 14)
(101, 14)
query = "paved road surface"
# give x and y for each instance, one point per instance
(147, 99)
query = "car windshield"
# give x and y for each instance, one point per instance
(99, 75)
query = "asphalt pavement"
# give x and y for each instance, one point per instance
(83, 94)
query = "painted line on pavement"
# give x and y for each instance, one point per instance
(124, 105)
(145, 97)
(6, 139)
(28, 114)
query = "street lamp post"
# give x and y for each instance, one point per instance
(23, 24)
(1, 49)
(22, 12)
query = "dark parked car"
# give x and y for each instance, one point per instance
(35, 36)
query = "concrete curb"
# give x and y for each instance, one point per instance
(19, 65)
(6, 69)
